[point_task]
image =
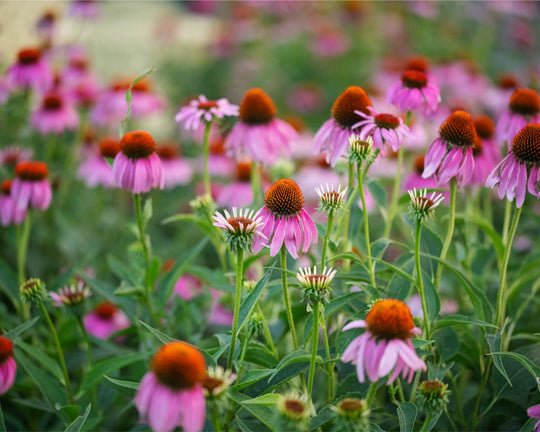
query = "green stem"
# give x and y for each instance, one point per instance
(255, 180)
(395, 194)
(371, 393)
(206, 154)
(427, 421)
(506, 222)
(58, 349)
(266, 330)
(366, 227)
(89, 356)
(23, 236)
(2, 423)
(140, 224)
(327, 238)
(215, 417)
(501, 294)
(243, 354)
(449, 233)
(314, 344)
(286, 297)
(330, 392)
(420, 283)
(237, 300)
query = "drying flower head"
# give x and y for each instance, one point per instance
(352, 415)
(240, 228)
(293, 411)
(360, 149)
(519, 170)
(32, 291)
(316, 286)
(331, 200)
(30, 186)
(204, 110)
(8, 367)
(523, 108)
(285, 221)
(414, 92)
(385, 347)
(422, 207)
(171, 394)
(71, 295)
(451, 155)
(433, 396)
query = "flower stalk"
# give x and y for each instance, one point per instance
(314, 345)
(449, 233)
(237, 300)
(286, 296)
(206, 155)
(420, 284)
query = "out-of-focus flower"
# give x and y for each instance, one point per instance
(414, 92)
(309, 176)
(171, 394)
(12, 155)
(177, 171)
(137, 167)
(305, 98)
(294, 411)
(95, 170)
(30, 71)
(385, 347)
(241, 229)
(203, 110)
(8, 367)
(352, 415)
(497, 96)
(71, 295)
(30, 186)
(523, 108)
(329, 41)
(451, 155)
(259, 134)
(285, 222)
(422, 207)
(332, 139)
(238, 193)
(433, 396)
(46, 24)
(518, 171)
(105, 320)
(217, 382)
(534, 412)
(416, 181)
(9, 213)
(56, 114)
(486, 152)
(32, 291)
(85, 9)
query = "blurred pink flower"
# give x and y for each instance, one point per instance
(105, 320)
(9, 213)
(30, 71)
(8, 367)
(55, 115)
(95, 170)
(31, 187)
(177, 171)
(523, 108)
(414, 92)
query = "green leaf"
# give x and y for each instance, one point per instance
(529, 365)
(8, 283)
(407, 416)
(122, 271)
(450, 320)
(433, 301)
(162, 337)
(105, 367)
(43, 359)
(129, 98)
(153, 272)
(249, 303)
(488, 229)
(78, 423)
(326, 415)
(147, 211)
(299, 356)
(21, 328)
(252, 376)
(132, 385)
(378, 193)
(267, 400)
(265, 414)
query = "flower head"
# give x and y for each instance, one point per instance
(385, 346)
(433, 395)
(523, 108)
(171, 394)
(240, 228)
(96, 170)
(519, 170)
(32, 291)
(56, 114)
(9, 213)
(293, 411)
(331, 200)
(12, 155)
(8, 368)
(451, 155)
(259, 134)
(30, 71)
(414, 92)
(316, 287)
(204, 110)
(137, 167)
(352, 414)
(217, 382)
(105, 320)
(285, 220)
(534, 412)
(71, 295)
(176, 170)
(423, 207)
(360, 149)
(30, 186)
(332, 138)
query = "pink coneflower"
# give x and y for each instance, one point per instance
(188, 286)
(416, 181)
(384, 128)
(241, 229)
(332, 139)
(85, 9)
(497, 96)
(171, 394)
(238, 193)
(518, 171)
(534, 412)
(137, 167)
(105, 320)
(386, 344)
(71, 295)
(55, 115)
(45, 25)
(12, 155)
(30, 186)
(329, 41)
(9, 214)
(177, 171)
(485, 150)
(523, 108)
(285, 220)
(203, 110)
(95, 170)
(30, 71)
(258, 134)
(79, 80)
(414, 92)
(451, 155)
(8, 367)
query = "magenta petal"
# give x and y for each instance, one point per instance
(193, 405)
(279, 236)
(521, 185)
(388, 360)
(354, 324)
(164, 410)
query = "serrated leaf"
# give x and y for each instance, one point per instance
(78, 423)
(21, 328)
(407, 416)
(162, 337)
(249, 303)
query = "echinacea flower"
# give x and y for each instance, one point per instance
(85, 9)
(352, 414)
(519, 170)
(259, 134)
(523, 108)
(95, 170)
(30, 186)
(238, 193)
(177, 171)
(360, 150)
(422, 207)
(385, 347)
(414, 92)
(171, 394)
(105, 320)
(415, 179)
(333, 136)
(12, 155)
(9, 213)
(137, 167)
(217, 381)
(71, 295)
(285, 220)
(56, 114)
(451, 155)
(433, 396)
(534, 412)
(8, 367)
(32, 291)
(384, 128)
(241, 229)
(316, 286)
(30, 71)
(294, 410)
(331, 200)
(486, 152)
(204, 110)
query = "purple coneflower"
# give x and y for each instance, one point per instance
(12, 155)
(386, 344)
(384, 128)
(258, 134)
(95, 170)
(485, 150)
(85, 9)
(30, 71)
(523, 108)
(238, 193)
(137, 167)
(9, 214)
(451, 155)
(177, 171)
(423, 206)
(171, 394)
(204, 110)
(105, 320)
(241, 229)
(332, 139)
(518, 171)
(71, 295)
(30, 186)
(8, 367)
(55, 115)
(534, 412)
(414, 92)
(415, 179)
(285, 220)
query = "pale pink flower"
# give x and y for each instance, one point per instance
(105, 320)
(414, 92)
(30, 71)
(203, 110)
(177, 171)
(12, 155)
(8, 367)
(56, 114)
(31, 187)
(9, 213)
(95, 170)
(523, 108)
